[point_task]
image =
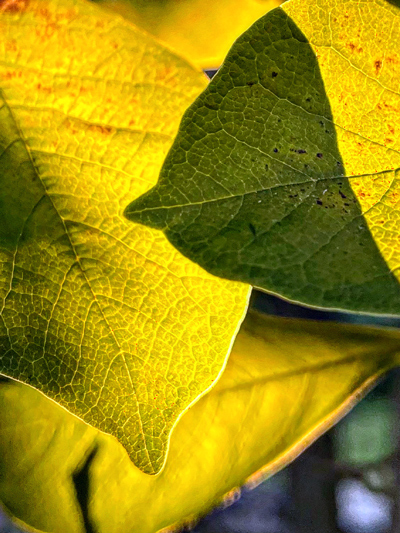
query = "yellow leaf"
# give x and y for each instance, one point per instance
(103, 316)
(285, 383)
(200, 30)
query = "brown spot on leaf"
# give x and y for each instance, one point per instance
(105, 130)
(354, 48)
(9, 75)
(43, 89)
(378, 66)
(13, 6)
(391, 129)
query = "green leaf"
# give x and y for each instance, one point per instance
(101, 315)
(285, 383)
(285, 173)
(200, 30)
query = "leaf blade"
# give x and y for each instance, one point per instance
(103, 317)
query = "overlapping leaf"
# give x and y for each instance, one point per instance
(102, 315)
(200, 30)
(285, 382)
(286, 171)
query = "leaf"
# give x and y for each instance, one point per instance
(286, 382)
(200, 30)
(101, 315)
(285, 173)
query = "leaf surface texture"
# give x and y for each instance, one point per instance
(285, 173)
(101, 315)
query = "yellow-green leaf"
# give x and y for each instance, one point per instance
(285, 173)
(101, 315)
(285, 383)
(200, 30)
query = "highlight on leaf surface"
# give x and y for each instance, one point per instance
(285, 383)
(101, 315)
(285, 173)
(200, 30)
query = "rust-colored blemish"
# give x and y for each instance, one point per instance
(105, 130)
(13, 6)
(9, 75)
(388, 140)
(43, 89)
(391, 129)
(378, 66)
(353, 48)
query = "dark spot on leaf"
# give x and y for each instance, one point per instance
(319, 155)
(342, 195)
(326, 131)
(252, 229)
(300, 151)
(338, 163)
(378, 65)
(319, 202)
(322, 124)
(274, 74)
(266, 167)
(308, 99)
(276, 150)
(251, 83)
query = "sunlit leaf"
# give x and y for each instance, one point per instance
(285, 383)
(286, 171)
(200, 30)
(102, 315)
